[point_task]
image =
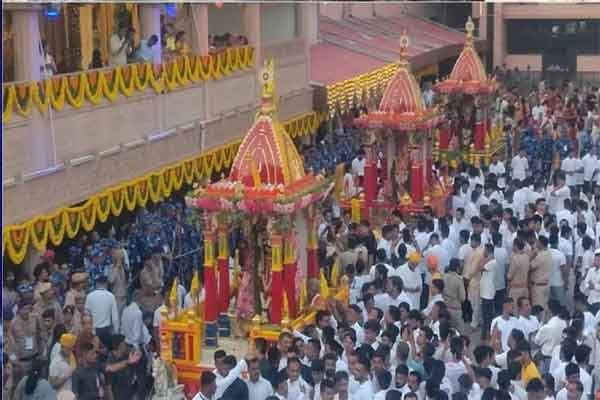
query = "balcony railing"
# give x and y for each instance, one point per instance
(95, 86)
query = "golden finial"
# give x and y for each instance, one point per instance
(469, 28)
(404, 43)
(173, 296)
(195, 285)
(268, 91)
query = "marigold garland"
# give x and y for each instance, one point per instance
(344, 95)
(135, 193)
(97, 86)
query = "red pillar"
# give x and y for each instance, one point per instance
(276, 280)
(416, 181)
(444, 139)
(289, 273)
(370, 182)
(479, 135)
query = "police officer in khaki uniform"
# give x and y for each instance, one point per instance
(472, 273)
(25, 331)
(518, 272)
(47, 301)
(541, 268)
(454, 294)
(79, 283)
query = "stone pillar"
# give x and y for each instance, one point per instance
(251, 18)
(199, 34)
(28, 63)
(310, 23)
(150, 25)
(482, 16)
(499, 44)
(27, 40)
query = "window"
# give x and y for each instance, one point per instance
(537, 36)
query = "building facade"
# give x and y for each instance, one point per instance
(555, 40)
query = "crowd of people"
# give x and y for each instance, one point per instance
(96, 305)
(325, 156)
(497, 299)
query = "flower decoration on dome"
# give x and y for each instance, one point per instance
(401, 106)
(267, 175)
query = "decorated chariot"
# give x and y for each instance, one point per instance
(404, 129)
(468, 133)
(269, 202)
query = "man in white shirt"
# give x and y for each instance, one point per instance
(226, 374)
(569, 167)
(358, 167)
(298, 388)
(395, 293)
(550, 334)
(519, 165)
(447, 243)
(61, 370)
(537, 112)
(591, 284)
(503, 324)
(411, 278)
(528, 324)
(102, 305)
(120, 44)
(559, 277)
(133, 327)
(487, 289)
(435, 249)
(365, 389)
(559, 192)
(258, 387)
(208, 387)
(497, 168)
(520, 199)
(590, 165)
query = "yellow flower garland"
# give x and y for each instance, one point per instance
(341, 96)
(97, 86)
(132, 194)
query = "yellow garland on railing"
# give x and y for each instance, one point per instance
(96, 86)
(153, 187)
(366, 86)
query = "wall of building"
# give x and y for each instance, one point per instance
(336, 10)
(550, 11)
(521, 61)
(278, 22)
(588, 63)
(505, 11)
(228, 18)
(98, 146)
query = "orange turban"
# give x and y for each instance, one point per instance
(432, 263)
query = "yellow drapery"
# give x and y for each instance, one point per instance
(86, 30)
(105, 26)
(135, 22)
